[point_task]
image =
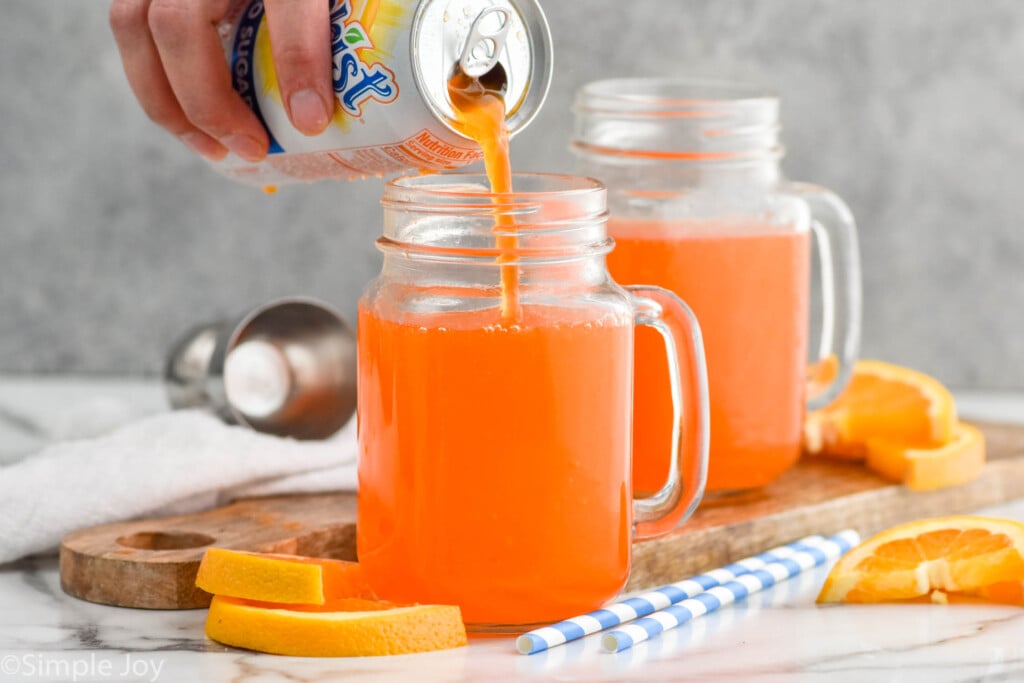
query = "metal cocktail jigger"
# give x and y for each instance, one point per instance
(286, 368)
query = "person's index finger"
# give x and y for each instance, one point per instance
(190, 49)
(145, 74)
(300, 40)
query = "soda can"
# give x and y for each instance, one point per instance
(392, 60)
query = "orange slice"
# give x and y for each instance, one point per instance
(951, 555)
(926, 469)
(288, 579)
(400, 630)
(331, 605)
(1006, 593)
(884, 402)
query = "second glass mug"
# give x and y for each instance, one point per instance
(495, 402)
(698, 205)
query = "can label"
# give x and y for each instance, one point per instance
(381, 124)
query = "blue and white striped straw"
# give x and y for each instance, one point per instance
(652, 601)
(728, 593)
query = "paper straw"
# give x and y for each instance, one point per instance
(652, 601)
(728, 593)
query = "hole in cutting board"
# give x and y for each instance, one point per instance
(165, 540)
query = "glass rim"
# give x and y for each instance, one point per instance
(579, 202)
(474, 187)
(673, 93)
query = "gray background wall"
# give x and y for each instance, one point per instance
(113, 238)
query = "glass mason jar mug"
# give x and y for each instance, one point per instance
(698, 205)
(495, 402)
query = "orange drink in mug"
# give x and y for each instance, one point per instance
(495, 440)
(698, 205)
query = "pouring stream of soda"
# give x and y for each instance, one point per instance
(479, 105)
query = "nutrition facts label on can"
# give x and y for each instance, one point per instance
(421, 151)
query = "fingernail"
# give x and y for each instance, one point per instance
(204, 145)
(248, 148)
(309, 114)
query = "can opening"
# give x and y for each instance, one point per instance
(506, 44)
(495, 80)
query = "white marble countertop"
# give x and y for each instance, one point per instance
(779, 635)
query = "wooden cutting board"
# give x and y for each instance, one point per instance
(152, 563)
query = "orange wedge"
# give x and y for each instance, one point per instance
(972, 556)
(400, 630)
(287, 579)
(1006, 593)
(926, 469)
(883, 402)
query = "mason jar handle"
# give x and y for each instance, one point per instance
(835, 233)
(674, 321)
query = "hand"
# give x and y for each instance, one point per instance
(177, 69)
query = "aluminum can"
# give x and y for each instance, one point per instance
(392, 62)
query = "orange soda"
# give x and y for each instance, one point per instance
(749, 290)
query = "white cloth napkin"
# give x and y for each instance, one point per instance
(169, 463)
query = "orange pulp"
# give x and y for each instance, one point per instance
(749, 291)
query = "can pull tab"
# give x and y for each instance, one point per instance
(483, 46)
